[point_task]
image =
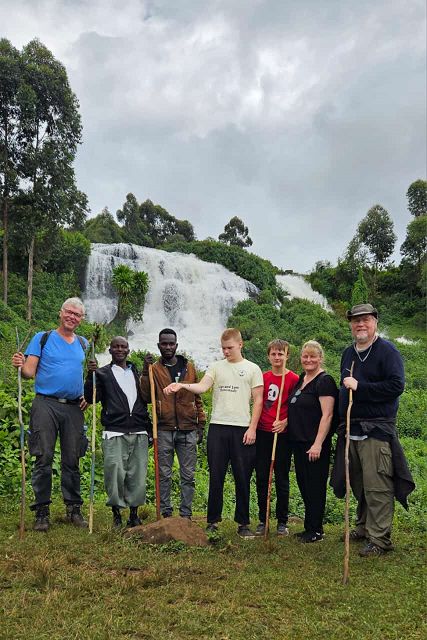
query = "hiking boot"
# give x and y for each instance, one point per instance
(260, 530)
(74, 516)
(166, 515)
(354, 536)
(245, 532)
(282, 529)
(211, 527)
(41, 522)
(311, 536)
(185, 517)
(371, 549)
(117, 518)
(134, 520)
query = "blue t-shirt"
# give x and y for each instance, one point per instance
(60, 368)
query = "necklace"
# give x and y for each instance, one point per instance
(369, 351)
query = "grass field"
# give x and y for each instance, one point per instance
(69, 584)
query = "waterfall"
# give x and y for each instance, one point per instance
(297, 287)
(186, 294)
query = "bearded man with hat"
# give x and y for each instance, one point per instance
(378, 469)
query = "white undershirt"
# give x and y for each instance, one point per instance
(126, 381)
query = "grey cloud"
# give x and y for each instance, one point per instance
(295, 116)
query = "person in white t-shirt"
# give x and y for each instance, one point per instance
(232, 430)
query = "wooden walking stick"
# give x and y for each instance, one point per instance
(155, 448)
(22, 445)
(93, 438)
(347, 485)
(273, 450)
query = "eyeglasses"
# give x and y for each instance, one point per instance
(74, 314)
(295, 398)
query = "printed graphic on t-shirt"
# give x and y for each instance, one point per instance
(228, 387)
(272, 395)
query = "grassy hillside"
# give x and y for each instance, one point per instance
(68, 584)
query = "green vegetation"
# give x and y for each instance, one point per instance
(70, 584)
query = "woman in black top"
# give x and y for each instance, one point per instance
(310, 413)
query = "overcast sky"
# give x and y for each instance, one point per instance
(296, 116)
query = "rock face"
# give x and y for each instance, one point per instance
(168, 529)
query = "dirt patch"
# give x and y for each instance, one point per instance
(169, 529)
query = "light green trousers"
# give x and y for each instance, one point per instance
(125, 469)
(371, 478)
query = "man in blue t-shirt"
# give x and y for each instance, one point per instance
(55, 359)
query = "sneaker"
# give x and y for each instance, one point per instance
(371, 549)
(260, 530)
(300, 534)
(282, 529)
(245, 532)
(211, 527)
(312, 536)
(41, 522)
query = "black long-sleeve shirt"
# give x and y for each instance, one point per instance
(381, 380)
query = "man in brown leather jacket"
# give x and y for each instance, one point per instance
(180, 421)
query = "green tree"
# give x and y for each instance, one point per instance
(10, 148)
(376, 233)
(417, 198)
(103, 228)
(131, 287)
(150, 225)
(51, 131)
(360, 291)
(235, 233)
(414, 248)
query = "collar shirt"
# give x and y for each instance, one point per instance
(126, 381)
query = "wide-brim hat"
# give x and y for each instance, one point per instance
(362, 310)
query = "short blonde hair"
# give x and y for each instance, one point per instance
(280, 345)
(313, 345)
(231, 334)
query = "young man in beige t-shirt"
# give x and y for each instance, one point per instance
(232, 430)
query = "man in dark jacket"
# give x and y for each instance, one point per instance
(180, 420)
(376, 465)
(127, 426)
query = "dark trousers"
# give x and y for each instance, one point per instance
(312, 480)
(282, 464)
(48, 418)
(224, 446)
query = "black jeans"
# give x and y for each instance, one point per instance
(224, 446)
(48, 418)
(282, 464)
(312, 478)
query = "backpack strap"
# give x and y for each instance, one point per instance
(45, 338)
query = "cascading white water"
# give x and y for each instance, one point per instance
(186, 294)
(297, 287)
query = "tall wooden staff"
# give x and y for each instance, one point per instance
(22, 445)
(347, 485)
(273, 450)
(155, 448)
(93, 438)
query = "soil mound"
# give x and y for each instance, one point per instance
(169, 529)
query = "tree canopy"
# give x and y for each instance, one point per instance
(235, 233)
(417, 198)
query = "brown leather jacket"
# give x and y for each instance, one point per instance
(182, 410)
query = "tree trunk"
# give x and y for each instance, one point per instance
(30, 280)
(5, 248)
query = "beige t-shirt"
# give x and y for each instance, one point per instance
(233, 384)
